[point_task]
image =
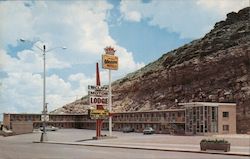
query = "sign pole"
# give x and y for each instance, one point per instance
(98, 121)
(110, 104)
(110, 62)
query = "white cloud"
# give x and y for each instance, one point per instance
(82, 82)
(22, 92)
(223, 7)
(134, 16)
(89, 30)
(81, 26)
(126, 60)
(28, 61)
(19, 25)
(19, 92)
(129, 14)
(76, 77)
(190, 19)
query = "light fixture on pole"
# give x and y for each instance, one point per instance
(44, 112)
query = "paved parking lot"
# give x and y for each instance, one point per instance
(239, 143)
(72, 135)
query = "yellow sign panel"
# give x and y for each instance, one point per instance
(99, 114)
(109, 62)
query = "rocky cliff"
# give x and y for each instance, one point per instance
(215, 68)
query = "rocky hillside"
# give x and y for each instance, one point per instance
(215, 68)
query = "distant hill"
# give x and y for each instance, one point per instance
(215, 68)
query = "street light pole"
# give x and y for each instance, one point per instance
(44, 112)
(43, 136)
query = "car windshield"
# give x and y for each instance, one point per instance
(148, 128)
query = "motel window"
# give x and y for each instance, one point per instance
(225, 114)
(166, 115)
(213, 113)
(225, 127)
(179, 114)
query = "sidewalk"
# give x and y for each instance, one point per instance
(240, 145)
(242, 151)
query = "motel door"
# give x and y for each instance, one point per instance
(194, 129)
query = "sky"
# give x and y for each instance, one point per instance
(139, 30)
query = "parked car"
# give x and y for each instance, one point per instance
(128, 129)
(49, 128)
(148, 130)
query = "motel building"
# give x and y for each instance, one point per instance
(195, 118)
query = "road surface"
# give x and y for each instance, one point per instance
(22, 147)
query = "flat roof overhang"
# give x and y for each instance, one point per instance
(210, 104)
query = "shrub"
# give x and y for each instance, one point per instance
(220, 141)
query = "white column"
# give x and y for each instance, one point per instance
(110, 105)
(185, 115)
(203, 120)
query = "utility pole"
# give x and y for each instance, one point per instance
(44, 136)
(45, 110)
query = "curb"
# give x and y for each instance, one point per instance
(144, 148)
